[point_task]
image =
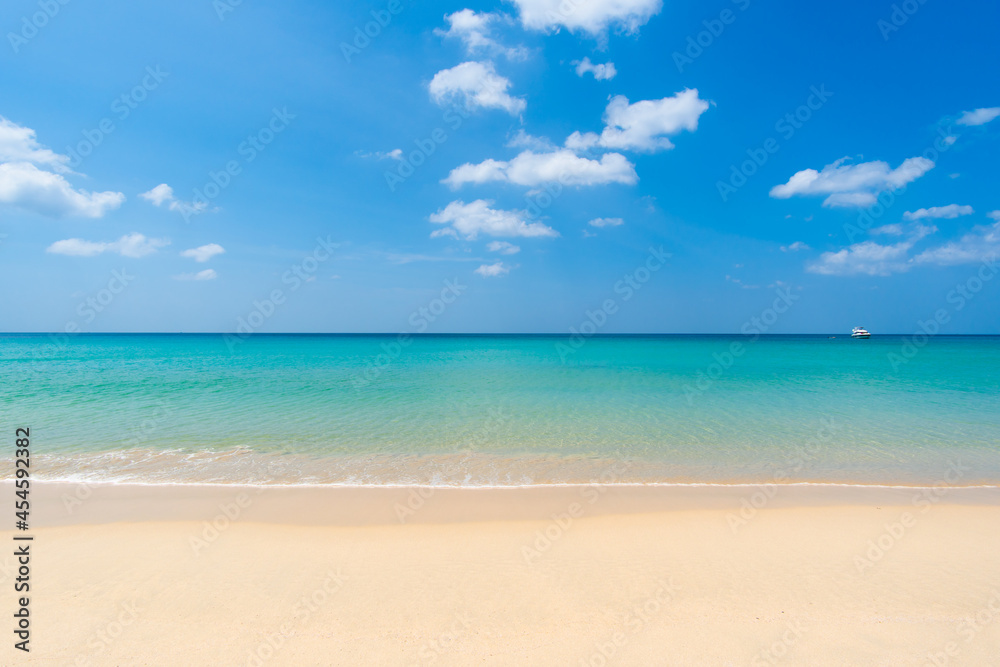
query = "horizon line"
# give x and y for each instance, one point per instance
(458, 333)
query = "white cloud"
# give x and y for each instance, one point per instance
(870, 258)
(794, 247)
(164, 194)
(469, 220)
(852, 185)
(18, 144)
(493, 270)
(470, 27)
(130, 245)
(522, 139)
(475, 84)
(994, 214)
(503, 247)
(475, 32)
(601, 72)
(203, 253)
(207, 274)
(32, 178)
(645, 125)
(591, 16)
(606, 222)
(26, 186)
(531, 169)
(850, 200)
(949, 211)
(981, 244)
(894, 229)
(160, 194)
(867, 257)
(394, 154)
(978, 116)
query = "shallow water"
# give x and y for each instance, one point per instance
(499, 410)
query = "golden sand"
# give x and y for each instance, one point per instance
(570, 575)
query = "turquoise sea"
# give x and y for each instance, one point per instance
(504, 410)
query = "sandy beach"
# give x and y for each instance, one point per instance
(160, 575)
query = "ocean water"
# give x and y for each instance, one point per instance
(504, 410)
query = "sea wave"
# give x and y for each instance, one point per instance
(246, 466)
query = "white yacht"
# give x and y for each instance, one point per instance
(860, 332)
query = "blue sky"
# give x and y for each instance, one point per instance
(527, 154)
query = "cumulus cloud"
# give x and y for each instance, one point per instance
(164, 194)
(606, 222)
(469, 220)
(203, 253)
(159, 195)
(982, 244)
(27, 187)
(531, 169)
(947, 212)
(872, 258)
(601, 72)
(493, 270)
(522, 139)
(475, 31)
(978, 116)
(32, 178)
(794, 247)
(852, 185)
(979, 245)
(131, 245)
(18, 144)
(503, 247)
(645, 125)
(475, 85)
(470, 27)
(207, 274)
(594, 17)
(867, 258)
(894, 229)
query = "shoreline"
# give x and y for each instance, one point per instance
(557, 485)
(64, 503)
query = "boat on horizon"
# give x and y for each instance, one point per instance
(860, 332)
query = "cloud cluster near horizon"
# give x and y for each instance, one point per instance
(872, 258)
